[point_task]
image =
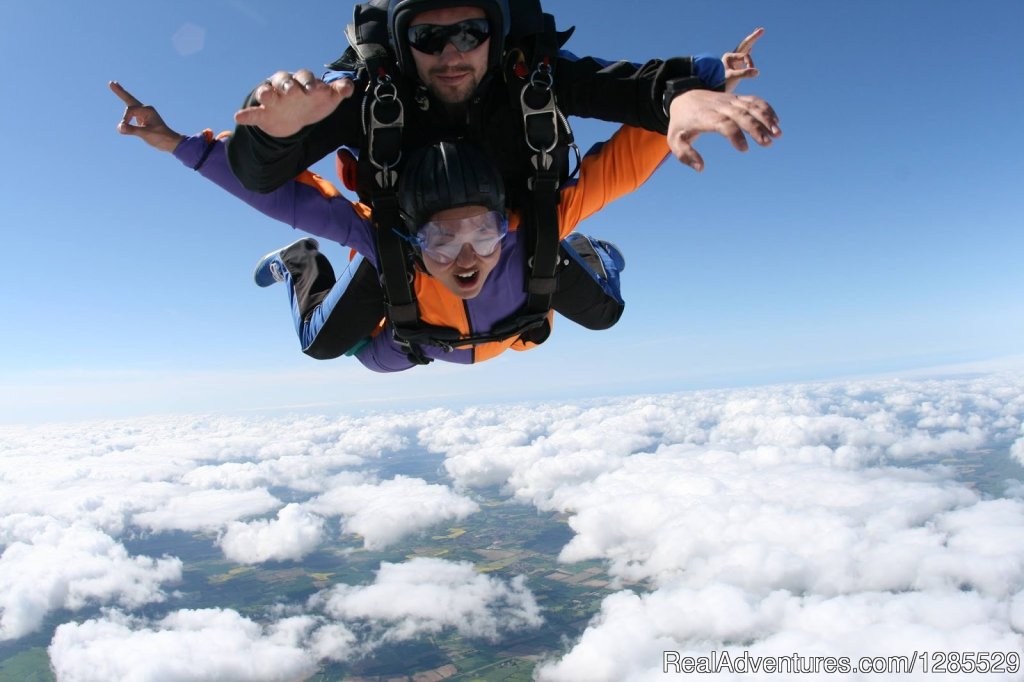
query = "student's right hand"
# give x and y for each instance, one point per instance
(149, 126)
(287, 102)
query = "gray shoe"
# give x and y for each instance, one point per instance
(271, 269)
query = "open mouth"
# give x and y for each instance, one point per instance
(467, 280)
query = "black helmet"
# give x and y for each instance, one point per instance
(401, 12)
(448, 175)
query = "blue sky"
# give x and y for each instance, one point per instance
(881, 233)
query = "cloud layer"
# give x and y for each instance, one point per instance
(822, 519)
(70, 494)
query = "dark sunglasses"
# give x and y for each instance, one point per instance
(465, 36)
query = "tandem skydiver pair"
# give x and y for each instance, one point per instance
(437, 216)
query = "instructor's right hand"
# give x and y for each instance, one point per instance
(287, 102)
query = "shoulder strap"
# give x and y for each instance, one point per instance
(530, 74)
(384, 149)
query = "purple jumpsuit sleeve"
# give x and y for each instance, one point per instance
(303, 206)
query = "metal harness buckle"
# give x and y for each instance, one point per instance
(385, 93)
(541, 82)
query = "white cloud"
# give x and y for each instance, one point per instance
(190, 645)
(303, 472)
(70, 567)
(206, 510)
(382, 513)
(292, 535)
(334, 642)
(625, 642)
(713, 514)
(1017, 449)
(426, 595)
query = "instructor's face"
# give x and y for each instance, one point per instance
(451, 76)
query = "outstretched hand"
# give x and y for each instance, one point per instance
(286, 102)
(739, 63)
(703, 111)
(149, 126)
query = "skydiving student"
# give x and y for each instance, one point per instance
(470, 265)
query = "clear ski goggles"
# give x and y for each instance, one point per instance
(443, 240)
(465, 36)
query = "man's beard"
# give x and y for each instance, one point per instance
(455, 101)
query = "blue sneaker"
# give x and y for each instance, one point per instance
(271, 269)
(614, 252)
(586, 249)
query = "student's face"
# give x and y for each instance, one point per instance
(465, 275)
(451, 76)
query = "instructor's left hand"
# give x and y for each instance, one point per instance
(703, 111)
(739, 64)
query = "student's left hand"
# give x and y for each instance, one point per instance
(149, 126)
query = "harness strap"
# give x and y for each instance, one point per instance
(447, 338)
(545, 129)
(383, 120)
